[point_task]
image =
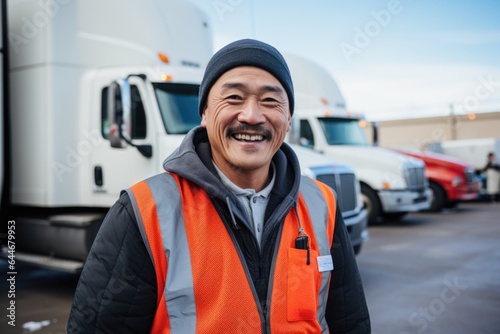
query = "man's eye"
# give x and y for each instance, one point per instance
(234, 97)
(270, 100)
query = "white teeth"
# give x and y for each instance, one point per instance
(248, 137)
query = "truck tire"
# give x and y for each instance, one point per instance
(451, 204)
(371, 204)
(394, 216)
(439, 198)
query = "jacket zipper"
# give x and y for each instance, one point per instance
(232, 225)
(236, 226)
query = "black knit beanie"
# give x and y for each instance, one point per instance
(246, 52)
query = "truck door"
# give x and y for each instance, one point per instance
(116, 169)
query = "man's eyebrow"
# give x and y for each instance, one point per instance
(271, 88)
(263, 89)
(229, 85)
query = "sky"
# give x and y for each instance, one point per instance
(391, 59)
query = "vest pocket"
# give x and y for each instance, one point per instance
(302, 296)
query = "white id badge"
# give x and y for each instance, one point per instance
(325, 263)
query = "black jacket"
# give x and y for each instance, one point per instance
(117, 289)
(491, 165)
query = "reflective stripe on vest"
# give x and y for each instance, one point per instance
(203, 281)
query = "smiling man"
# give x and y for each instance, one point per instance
(231, 239)
(247, 117)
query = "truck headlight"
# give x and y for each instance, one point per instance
(456, 181)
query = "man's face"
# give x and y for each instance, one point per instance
(247, 117)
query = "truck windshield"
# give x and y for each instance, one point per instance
(342, 131)
(178, 105)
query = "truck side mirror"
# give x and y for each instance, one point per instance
(119, 113)
(375, 126)
(120, 117)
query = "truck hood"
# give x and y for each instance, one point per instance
(371, 155)
(436, 159)
(310, 158)
(375, 165)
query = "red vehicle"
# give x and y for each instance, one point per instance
(451, 180)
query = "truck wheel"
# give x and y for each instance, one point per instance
(438, 197)
(451, 204)
(371, 204)
(394, 216)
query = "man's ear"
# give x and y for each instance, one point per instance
(289, 121)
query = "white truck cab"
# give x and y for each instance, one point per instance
(392, 184)
(65, 59)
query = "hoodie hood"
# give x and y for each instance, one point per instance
(192, 160)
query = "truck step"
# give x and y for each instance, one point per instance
(45, 261)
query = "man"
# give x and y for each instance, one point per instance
(231, 239)
(492, 173)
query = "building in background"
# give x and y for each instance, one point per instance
(419, 133)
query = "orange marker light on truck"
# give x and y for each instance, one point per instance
(163, 57)
(166, 77)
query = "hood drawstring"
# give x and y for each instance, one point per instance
(301, 230)
(229, 205)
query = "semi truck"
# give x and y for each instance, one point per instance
(61, 173)
(98, 94)
(392, 184)
(451, 180)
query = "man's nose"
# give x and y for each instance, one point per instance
(251, 113)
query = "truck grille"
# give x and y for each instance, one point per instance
(345, 186)
(416, 178)
(470, 176)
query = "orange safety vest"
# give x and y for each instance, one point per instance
(203, 283)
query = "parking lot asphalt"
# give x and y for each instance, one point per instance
(435, 273)
(428, 273)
